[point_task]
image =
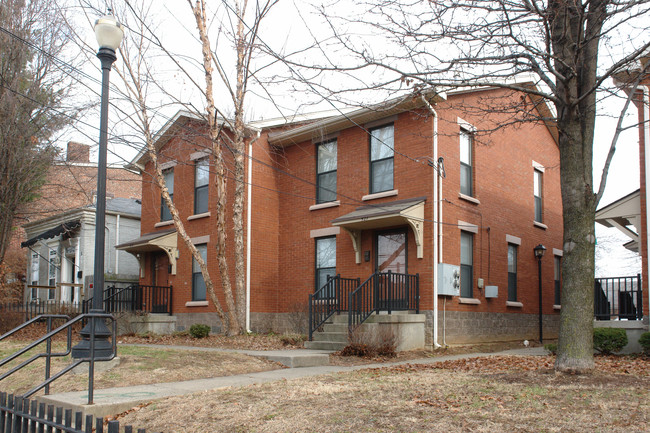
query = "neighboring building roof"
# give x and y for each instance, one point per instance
(126, 206)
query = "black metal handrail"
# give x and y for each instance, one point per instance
(330, 299)
(618, 297)
(135, 297)
(48, 354)
(383, 291)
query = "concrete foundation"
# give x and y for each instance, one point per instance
(633, 329)
(161, 324)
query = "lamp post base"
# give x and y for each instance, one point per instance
(103, 347)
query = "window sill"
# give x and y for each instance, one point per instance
(557, 307)
(472, 301)
(198, 216)
(164, 223)
(540, 225)
(514, 304)
(196, 304)
(325, 205)
(468, 198)
(379, 195)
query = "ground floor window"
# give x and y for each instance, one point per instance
(558, 279)
(466, 264)
(512, 272)
(198, 284)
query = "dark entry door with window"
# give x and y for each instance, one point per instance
(391, 255)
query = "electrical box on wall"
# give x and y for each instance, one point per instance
(448, 279)
(491, 291)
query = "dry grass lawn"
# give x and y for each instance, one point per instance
(138, 366)
(501, 394)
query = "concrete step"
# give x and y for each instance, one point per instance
(340, 337)
(335, 327)
(324, 345)
(339, 318)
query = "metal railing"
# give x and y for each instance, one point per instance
(93, 318)
(18, 414)
(383, 291)
(135, 297)
(330, 299)
(618, 298)
(32, 309)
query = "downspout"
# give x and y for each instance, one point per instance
(436, 226)
(249, 205)
(646, 145)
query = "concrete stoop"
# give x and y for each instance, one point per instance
(408, 328)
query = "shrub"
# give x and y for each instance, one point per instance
(199, 331)
(644, 341)
(609, 340)
(368, 345)
(551, 347)
(10, 320)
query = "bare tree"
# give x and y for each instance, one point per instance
(226, 130)
(571, 48)
(32, 94)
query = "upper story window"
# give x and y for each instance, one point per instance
(381, 159)
(512, 272)
(326, 172)
(466, 264)
(537, 192)
(168, 175)
(201, 180)
(325, 261)
(198, 283)
(466, 175)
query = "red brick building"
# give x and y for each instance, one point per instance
(458, 184)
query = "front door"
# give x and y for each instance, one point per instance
(391, 255)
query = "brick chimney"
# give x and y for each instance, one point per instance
(78, 152)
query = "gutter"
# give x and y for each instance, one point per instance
(646, 144)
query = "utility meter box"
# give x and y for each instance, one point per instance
(491, 291)
(448, 279)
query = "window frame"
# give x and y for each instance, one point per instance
(467, 291)
(35, 271)
(320, 175)
(468, 167)
(197, 189)
(163, 205)
(512, 275)
(538, 195)
(203, 251)
(376, 162)
(318, 269)
(51, 273)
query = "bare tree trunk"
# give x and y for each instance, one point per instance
(233, 326)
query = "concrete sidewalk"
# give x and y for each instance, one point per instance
(116, 400)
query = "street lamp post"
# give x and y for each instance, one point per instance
(109, 34)
(539, 253)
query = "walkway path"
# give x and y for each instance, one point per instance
(116, 400)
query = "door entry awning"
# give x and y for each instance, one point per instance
(165, 240)
(62, 229)
(399, 212)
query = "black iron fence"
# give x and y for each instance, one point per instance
(383, 291)
(618, 298)
(135, 297)
(330, 299)
(37, 308)
(19, 414)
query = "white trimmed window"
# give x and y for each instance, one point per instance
(466, 264)
(326, 171)
(537, 192)
(168, 175)
(512, 272)
(325, 261)
(201, 181)
(466, 168)
(198, 283)
(381, 159)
